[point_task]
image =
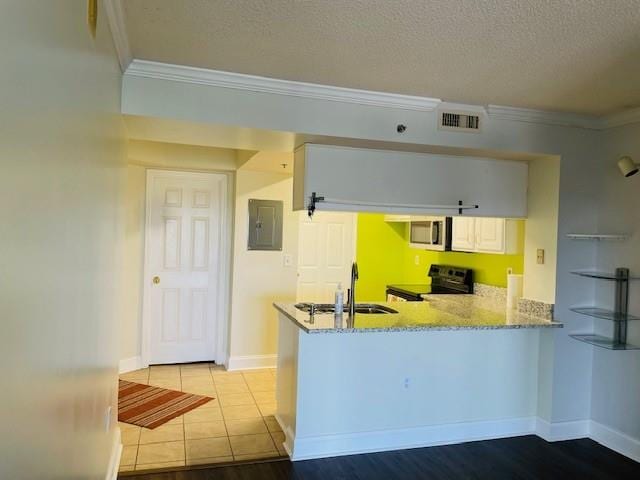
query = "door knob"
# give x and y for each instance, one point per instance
(156, 280)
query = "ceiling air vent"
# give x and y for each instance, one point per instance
(459, 121)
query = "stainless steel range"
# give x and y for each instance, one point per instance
(445, 279)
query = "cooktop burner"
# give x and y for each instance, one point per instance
(445, 279)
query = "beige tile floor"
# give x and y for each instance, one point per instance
(237, 425)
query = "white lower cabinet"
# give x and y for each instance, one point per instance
(485, 235)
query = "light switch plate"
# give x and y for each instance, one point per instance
(287, 260)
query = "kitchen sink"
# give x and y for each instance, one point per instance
(368, 308)
(372, 308)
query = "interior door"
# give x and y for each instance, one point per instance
(184, 248)
(326, 250)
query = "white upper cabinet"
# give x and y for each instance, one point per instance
(490, 233)
(485, 235)
(358, 179)
(463, 235)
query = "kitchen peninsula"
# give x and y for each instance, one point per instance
(446, 370)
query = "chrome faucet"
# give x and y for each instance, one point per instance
(352, 290)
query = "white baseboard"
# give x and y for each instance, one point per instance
(116, 453)
(130, 364)
(615, 440)
(288, 435)
(304, 448)
(554, 432)
(252, 362)
(399, 439)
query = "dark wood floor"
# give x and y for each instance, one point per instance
(527, 457)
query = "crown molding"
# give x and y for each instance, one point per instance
(528, 115)
(625, 117)
(115, 16)
(564, 119)
(253, 83)
(462, 108)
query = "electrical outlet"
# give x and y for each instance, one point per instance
(406, 382)
(540, 256)
(417, 259)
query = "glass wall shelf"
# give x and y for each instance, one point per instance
(603, 313)
(602, 275)
(620, 314)
(597, 236)
(604, 342)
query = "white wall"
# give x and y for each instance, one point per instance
(143, 155)
(566, 372)
(616, 375)
(173, 155)
(541, 230)
(260, 277)
(130, 321)
(63, 162)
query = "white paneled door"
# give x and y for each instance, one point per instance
(185, 293)
(326, 250)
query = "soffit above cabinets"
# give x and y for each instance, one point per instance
(352, 179)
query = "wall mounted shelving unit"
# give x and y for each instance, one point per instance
(619, 315)
(598, 236)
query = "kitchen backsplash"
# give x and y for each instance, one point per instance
(525, 306)
(490, 291)
(535, 308)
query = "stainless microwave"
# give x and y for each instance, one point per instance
(430, 233)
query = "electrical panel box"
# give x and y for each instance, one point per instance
(265, 225)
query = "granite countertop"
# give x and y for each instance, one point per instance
(437, 312)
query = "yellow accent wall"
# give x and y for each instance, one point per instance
(384, 257)
(380, 255)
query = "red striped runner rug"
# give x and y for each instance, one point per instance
(150, 407)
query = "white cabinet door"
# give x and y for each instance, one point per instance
(463, 234)
(490, 235)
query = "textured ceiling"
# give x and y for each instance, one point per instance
(566, 55)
